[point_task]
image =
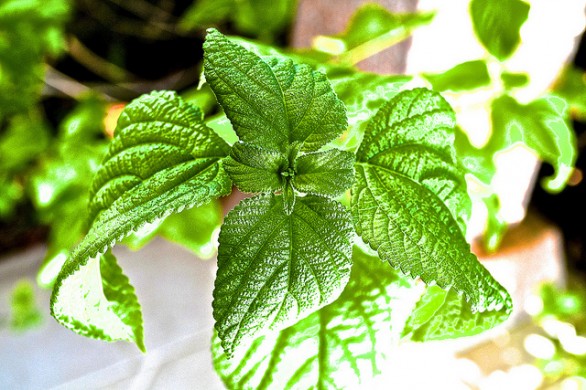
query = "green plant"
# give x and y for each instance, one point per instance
(348, 168)
(286, 255)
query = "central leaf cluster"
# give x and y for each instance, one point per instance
(286, 252)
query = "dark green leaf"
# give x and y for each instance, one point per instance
(328, 173)
(340, 346)
(464, 76)
(497, 24)
(162, 160)
(409, 194)
(275, 269)
(272, 105)
(253, 169)
(540, 125)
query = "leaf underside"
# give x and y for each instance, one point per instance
(410, 194)
(340, 346)
(162, 160)
(274, 268)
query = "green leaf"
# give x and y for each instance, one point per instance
(409, 199)
(253, 169)
(371, 30)
(100, 303)
(272, 105)
(497, 24)
(363, 94)
(17, 149)
(195, 229)
(514, 80)
(465, 76)
(263, 18)
(204, 13)
(477, 161)
(541, 125)
(340, 346)
(276, 268)
(24, 312)
(29, 30)
(441, 315)
(162, 160)
(328, 173)
(572, 86)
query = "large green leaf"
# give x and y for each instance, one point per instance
(276, 268)
(162, 160)
(541, 125)
(338, 347)
(409, 199)
(273, 105)
(571, 86)
(497, 24)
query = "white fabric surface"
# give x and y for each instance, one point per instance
(175, 291)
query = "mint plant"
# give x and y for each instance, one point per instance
(299, 262)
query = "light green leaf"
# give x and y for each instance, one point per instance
(328, 173)
(275, 269)
(24, 312)
(340, 346)
(497, 24)
(464, 76)
(195, 229)
(253, 169)
(441, 315)
(100, 303)
(363, 94)
(272, 105)
(371, 30)
(477, 161)
(541, 125)
(16, 147)
(162, 160)
(409, 199)
(572, 86)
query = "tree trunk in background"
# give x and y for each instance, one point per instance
(330, 17)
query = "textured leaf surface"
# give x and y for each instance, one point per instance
(497, 24)
(274, 268)
(328, 173)
(441, 315)
(338, 347)
(100, 303)
(409, 192)
(272, 105)
(161, 160)
(253, 169)
(542, 126)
